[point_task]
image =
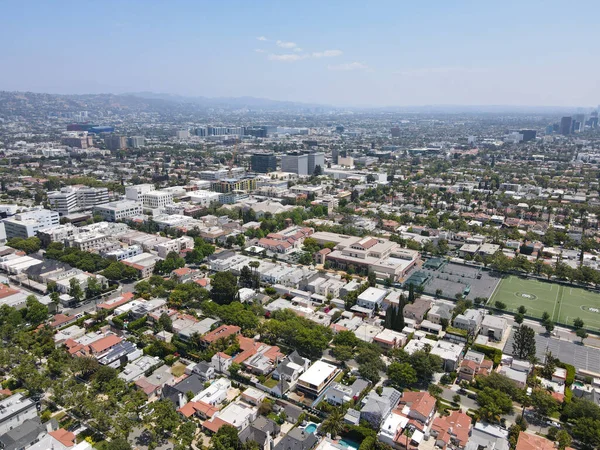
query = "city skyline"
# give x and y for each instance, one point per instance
(346, 55)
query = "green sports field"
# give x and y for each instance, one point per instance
(563, 303)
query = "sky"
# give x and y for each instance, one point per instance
(342, 53)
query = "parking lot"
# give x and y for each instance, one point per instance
(580, 356)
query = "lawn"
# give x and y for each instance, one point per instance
(563, 303)
(178, 369)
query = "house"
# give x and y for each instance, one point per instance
(487, 436)
(417, 310)
(221, 362)
(204, 370)
(290, 369)
(450, 353)
(178, 392)
(389, 339)
(439, 313)
(452, 430)
(338, 394)
(371, 298)
(15, 410)
(253, 396)
(376, 407)
(222, 332)
(317, 378)
(238, 414)
(262, 430)
(27, 433)
(200, 409)
(474, 364)
(422, 407)
(528, 441)
(214, 394)
(494, 327)
(297, 439)
(470, 321)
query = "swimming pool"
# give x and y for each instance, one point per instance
(311, 428)
(347, 443)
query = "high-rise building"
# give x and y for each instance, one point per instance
(136, 141)
(263, 162)
(395, 132)
(528, 135)
(202, 131)
(295, 163)
(565, 125)
(182, 134)
(115, 142)
(314, 160)
(580, 119)
(335, 154)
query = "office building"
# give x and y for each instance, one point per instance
(157, 199)
(221, 173)
(73, 199)
(115, 142)
(395, 132)
(578, 122)
(335, 154)
(565, 125)
(26, 224)
(202, 131)
(314, 160)
(528, 135)
(124, 209)
(78, 140)
(136, 192)
(182, 134)
(263, 162)
(295, 163)
(136, 141)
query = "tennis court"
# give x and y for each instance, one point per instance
(563, 303)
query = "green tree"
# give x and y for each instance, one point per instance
(582, 334)
(334, 423)
(543, 403)
(493, 404)
(372, 279)
(225, 439)
(578, 323)
(75, 290)
(402, 375)
(342, 353)
(93, 288)
(564, 439)
(36, 312)
(224, 288)
(524, 342)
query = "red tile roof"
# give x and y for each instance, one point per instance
(63, 436)
(532, 442)
(105, 343)
(221, 332)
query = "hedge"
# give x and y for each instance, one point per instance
(495, 354)
(570, 372)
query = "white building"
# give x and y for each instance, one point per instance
(204, 198)
(157, 199)
(371, 298)
(26, 224)
(72, 199)
(136, 192)
(120, 210)
(15, 410)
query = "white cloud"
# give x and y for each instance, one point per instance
(349, 66)
(262, 38)
(327, 54)
(259, 50)
(290, 57)
(284, 44)
(297, 49)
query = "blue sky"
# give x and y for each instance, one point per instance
(377, 53)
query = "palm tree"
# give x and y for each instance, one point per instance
(334, 423)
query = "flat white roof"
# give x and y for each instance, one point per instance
(317, 373)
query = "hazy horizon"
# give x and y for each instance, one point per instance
(344, 54)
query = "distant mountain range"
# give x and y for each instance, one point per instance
(229, 102)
